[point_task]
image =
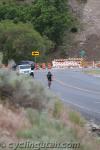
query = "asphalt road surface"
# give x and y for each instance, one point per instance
(77, 89)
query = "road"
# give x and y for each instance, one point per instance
(77, 89)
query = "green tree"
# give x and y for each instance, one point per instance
(17, 41)
(52, 18)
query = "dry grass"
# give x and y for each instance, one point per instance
(11, 121)
(31, 124)
(46, 118)
(24, 91)
(93, 72)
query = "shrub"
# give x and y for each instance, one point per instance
(33, 116)
(25, 134)
(24, 91)
(46, 129)
(76, 118)
(58, 107)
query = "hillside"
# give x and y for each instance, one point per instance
(30, 112)
(89, 36)
(48, 19)
(64, 30)
(91, 20)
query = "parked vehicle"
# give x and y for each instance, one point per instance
(24, 69)
(26, 62)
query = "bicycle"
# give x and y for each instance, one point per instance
(49, 84)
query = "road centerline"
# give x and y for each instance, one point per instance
(81, 107)
(75, 87)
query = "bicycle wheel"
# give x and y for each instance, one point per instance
(49, 84)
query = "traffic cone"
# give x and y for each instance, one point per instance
(43, 66)
(36, 66)
(49, 66)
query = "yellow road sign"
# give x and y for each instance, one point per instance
(35, 53)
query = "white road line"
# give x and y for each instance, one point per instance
(97, 102)
(75, 87)
(81, 107)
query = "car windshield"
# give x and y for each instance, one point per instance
(25, 67)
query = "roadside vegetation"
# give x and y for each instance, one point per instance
(28, 111)
(34, 25)
(19, 40)
(93, 72)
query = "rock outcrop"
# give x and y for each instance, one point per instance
(89, 36)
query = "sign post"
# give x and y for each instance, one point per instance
(82, 53)
(35, 59)
(35, 53)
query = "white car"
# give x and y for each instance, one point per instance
(23, 69)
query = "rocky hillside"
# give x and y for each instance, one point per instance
(89, 36)
(91, 17)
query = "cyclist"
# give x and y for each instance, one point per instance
(49, 78)
(32, 70)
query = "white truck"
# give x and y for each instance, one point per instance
(24, 69)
